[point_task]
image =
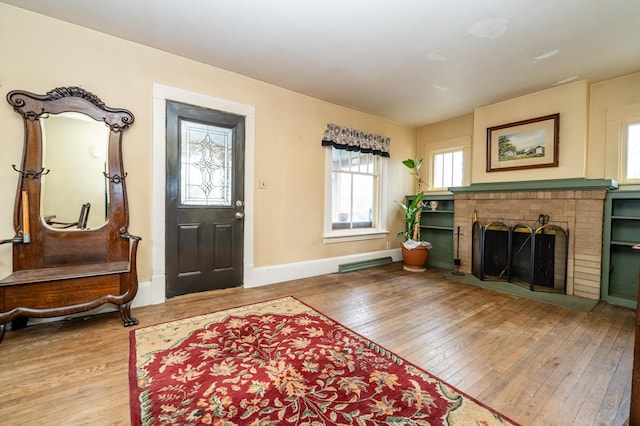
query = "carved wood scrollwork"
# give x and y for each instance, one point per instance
(116, 119)
(76, 92)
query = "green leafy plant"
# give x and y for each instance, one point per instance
(411, 218)
(412, 211)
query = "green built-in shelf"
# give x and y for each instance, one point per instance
(436, 226)
(620, 263)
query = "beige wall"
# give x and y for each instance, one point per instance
(444, 130)
(585, 151)
(39, 54)
(570, 100)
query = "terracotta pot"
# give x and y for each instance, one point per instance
(415, 260)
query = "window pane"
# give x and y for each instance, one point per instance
(447, 173)
(364, 162)
(206, 154)
(354, 161)
(437, 171)
(335, 159)
(633, 151)
(457, 169)
(341, 201)
(447, 169)
(362, 200)
(344, 159)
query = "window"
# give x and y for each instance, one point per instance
(632, 143)
(447, 169)
(622, 141)
(354, 196)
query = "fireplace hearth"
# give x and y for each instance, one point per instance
(534, 256)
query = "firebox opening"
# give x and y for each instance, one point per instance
(532, 258)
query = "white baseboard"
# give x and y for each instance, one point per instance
(146, 292)
(265, 275)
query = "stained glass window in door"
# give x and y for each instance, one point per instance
(206, 161)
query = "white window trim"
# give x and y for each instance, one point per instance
(345, 235)
(623, 143)
(615, 142)
(465, 165)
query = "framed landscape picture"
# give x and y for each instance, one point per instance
(525, 144)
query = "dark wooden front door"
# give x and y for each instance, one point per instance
(204, 199)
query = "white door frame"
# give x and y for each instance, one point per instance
(161, 94)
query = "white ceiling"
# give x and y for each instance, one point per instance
(411, 61)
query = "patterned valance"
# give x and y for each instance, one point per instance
(355, 140)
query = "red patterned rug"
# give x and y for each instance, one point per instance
(281, 362)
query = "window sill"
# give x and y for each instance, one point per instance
(354, 235)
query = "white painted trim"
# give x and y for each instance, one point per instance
(458, 144)
(161, 94)
(145, 295)
(329, 235)
(292, 271)
(617, 128)
(336, 237)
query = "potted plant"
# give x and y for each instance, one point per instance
(415, 253)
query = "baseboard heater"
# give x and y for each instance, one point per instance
(364, 264)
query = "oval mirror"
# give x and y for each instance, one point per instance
(74, 191)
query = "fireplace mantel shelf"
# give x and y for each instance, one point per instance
(576, 184)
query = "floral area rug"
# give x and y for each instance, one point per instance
(280, 362)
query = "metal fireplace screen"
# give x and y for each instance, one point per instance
(532, 257)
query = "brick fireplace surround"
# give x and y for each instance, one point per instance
(580, 211)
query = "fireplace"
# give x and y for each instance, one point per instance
(510, 219)
(534, 256)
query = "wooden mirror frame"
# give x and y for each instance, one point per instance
(58, 272)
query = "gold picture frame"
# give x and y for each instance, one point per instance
(526, 144)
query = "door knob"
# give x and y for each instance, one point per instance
(239, 215)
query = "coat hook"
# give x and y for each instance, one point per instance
(115, 178)
(31, 174)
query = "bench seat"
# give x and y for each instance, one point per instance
(64, 273)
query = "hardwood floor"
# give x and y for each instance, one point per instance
(536, 363)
